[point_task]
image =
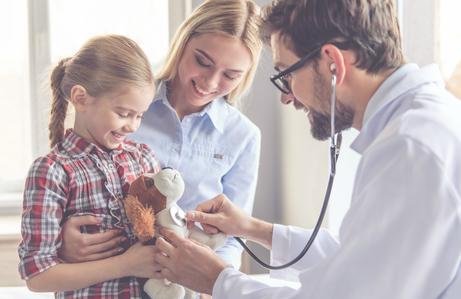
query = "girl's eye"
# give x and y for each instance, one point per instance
(140, 116)
(201, 62)
(123, 115)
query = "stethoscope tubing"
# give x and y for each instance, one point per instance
(335, 145)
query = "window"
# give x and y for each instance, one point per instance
(450, 45)
(14, 96)
(40, 33)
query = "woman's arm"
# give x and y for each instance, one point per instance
(239, 185)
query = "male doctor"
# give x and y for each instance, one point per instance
(401, 238)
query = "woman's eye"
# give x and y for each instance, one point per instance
(201, 62)
(230, 77)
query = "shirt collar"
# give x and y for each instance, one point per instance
(216, 110)
(76, 146)
(378, 112)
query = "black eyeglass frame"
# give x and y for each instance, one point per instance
(284, 86)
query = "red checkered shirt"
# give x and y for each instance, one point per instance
(79, 178)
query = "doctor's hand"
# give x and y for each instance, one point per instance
(80, 247)
(187, 262)
(220, 215)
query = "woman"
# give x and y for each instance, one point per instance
(192, 125)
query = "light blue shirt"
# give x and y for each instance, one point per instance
(401, 237)
(216, 150)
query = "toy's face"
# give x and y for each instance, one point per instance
(170, 183)
(147, 193)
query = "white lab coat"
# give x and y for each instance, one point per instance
(401, 238)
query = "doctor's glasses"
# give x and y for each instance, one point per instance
(281, 80)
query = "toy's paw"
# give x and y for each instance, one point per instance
(217, 240)
(157, 289)
(191, 294)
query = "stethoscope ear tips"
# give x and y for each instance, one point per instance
(333, 68)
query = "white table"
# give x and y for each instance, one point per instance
(22, 293)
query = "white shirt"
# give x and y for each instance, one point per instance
(216, 150)
(401, 237)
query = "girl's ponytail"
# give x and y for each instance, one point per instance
(59, 104)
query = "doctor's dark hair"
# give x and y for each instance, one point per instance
(236, 18)
(369, 27)
(103, 65)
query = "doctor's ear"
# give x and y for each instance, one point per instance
(335, 61)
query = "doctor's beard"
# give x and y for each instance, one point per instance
(320, 122)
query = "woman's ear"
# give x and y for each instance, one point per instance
(79, 98)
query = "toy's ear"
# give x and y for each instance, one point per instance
(141, 217)
(148, 195)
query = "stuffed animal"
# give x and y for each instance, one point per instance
(152, 199)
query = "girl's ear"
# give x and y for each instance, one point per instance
(79, 98)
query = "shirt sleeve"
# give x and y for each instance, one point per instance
(289, 241)
(401, 237)
(239, 185)
(45, 197)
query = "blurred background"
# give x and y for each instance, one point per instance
(294, 167)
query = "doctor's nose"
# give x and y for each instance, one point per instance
(287, 98)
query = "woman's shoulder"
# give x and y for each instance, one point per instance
(238, 121)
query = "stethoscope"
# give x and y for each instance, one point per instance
(335, 145)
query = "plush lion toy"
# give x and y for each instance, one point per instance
(152, 200)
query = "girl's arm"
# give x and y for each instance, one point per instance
(137, 261)
(45, 196)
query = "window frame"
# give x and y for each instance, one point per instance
(39, 62)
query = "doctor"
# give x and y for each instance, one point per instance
(401, 237)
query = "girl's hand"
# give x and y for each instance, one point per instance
(139, 261)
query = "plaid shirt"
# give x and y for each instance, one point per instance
(78, 178)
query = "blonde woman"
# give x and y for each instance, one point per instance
(193, 123)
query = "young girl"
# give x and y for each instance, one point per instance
(87, 172)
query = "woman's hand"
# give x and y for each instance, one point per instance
(188, 263)
(220, 215)
(79, 247)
